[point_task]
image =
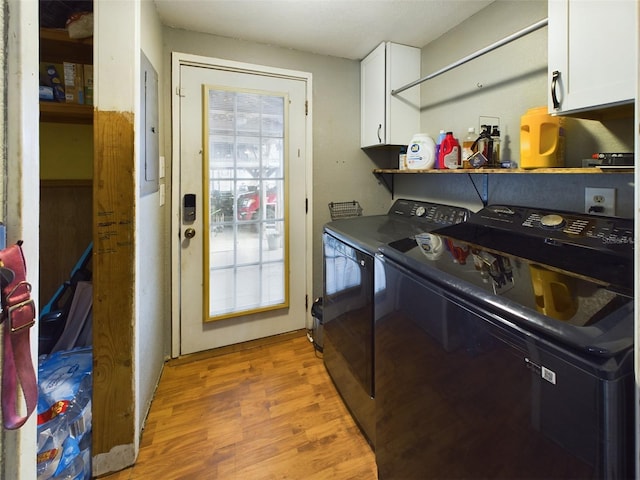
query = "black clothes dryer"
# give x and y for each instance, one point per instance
(349, 246)
(504, 349)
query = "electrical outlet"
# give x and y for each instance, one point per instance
(600, 201)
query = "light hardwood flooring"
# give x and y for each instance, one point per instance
(262, 413)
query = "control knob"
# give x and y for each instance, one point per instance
(420, 211)
(552, 221)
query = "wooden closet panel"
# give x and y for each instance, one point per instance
(65, 230)
(114, 202)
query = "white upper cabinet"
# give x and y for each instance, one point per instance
(389, 119)
(592, 54)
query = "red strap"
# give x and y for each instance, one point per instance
(18, 316)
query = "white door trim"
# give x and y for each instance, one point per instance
(21, 202)
(177, 60)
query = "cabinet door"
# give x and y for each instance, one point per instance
(389, 119)
(403, 109)
(592, 49)
(372, 98)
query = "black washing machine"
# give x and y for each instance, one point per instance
(504, 349)
(349, 246)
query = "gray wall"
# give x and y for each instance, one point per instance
(341, 171)
(513, 80)
(504, 84)
(153, 317)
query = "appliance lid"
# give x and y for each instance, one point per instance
(404, 218)
(598, 249)
(573, 283)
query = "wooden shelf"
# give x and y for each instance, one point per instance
(65, 182)
(555, 171)
(56, 46)
(384, 173)
(66, 113)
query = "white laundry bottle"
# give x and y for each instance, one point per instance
(421, 152)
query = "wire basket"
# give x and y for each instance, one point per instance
(345, 209)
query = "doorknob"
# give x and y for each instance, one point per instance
(190, 233)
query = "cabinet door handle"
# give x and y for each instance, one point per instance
(379, 130)
(554, 82)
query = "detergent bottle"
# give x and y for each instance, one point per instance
(439, 140)
(450, 152)
(541, 139)
(421, 152)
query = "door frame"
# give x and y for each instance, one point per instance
(20, 203)
(178, 60)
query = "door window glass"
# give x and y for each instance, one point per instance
(244, 169)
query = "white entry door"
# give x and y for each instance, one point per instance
(242, 216)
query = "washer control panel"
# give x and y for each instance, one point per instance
(581, 229)
(433, 213)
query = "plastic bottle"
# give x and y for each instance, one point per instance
(484, 145)
(402, 158)
(467, 144)
(495, 138)
(541, 139)
(441, 136)
(450, 152)
(421, 152)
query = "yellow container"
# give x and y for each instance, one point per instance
(554, 293)
(541, 139)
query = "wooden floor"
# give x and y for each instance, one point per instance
(269, 412)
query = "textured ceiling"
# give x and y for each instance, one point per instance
(340, 28)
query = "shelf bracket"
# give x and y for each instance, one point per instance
(388, 182)
(484, 193)
(485, 190)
